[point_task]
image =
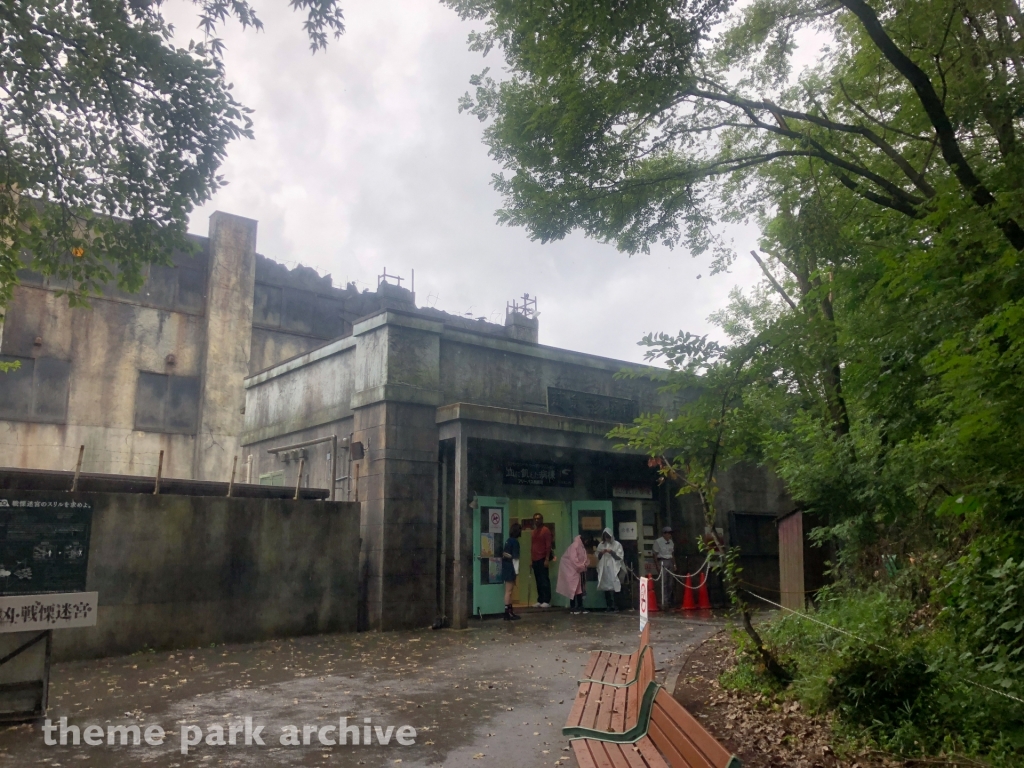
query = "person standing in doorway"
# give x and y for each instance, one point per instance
(510, 567)
(571, 572)
(610, 568)
(665, 557)
(541, 555)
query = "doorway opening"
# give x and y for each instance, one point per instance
(556, 519)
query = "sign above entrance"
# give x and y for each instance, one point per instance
(585, 405)
(626, 491)
(539, 473)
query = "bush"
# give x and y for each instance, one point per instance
(893, 675)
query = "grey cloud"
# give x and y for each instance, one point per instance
(361, 161)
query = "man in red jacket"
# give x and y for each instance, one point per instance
(541, 555)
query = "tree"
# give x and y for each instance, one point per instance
(692, 444)
(646, 121)
(110, 134)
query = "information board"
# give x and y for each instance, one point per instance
(44, 545)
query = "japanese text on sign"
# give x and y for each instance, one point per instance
(19, 613)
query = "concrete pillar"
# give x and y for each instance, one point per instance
(459, 602)
(228, 333)
(395, 405)
(521, 327)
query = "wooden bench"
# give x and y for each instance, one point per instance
(608, 697)
(664, 736)
(622, 718)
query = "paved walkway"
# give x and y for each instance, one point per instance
(496, 695)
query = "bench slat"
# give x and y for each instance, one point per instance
(650, 753)
(633, 704)
(667, 708)
(581, 748)
(618, 722)
(679, 753)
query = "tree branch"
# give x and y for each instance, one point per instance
(936, 112)
(772, 280)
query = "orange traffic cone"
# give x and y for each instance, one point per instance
(652, 602)
(689, 603)
(703, 601)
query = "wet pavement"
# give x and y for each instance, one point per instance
(495, 695)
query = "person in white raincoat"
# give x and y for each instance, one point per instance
(610, 566)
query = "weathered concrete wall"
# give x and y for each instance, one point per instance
(107, 345)
(311, 390)
(475, 369)
(184, 571)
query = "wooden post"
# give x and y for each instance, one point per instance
(78, 468)
(298, 480)
(791, 561)
(159, 474)
(231, 482)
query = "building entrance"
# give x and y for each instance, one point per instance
(492, 519)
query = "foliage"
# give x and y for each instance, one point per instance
(878, 369)
(110, 134)
(892, 675)
(639, 122)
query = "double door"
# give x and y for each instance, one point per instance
(491, 521)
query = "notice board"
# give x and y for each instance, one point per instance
(44, 545)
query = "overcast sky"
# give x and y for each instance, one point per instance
(362, 161)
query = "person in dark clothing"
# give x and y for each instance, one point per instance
(510, 568)
(540, 556)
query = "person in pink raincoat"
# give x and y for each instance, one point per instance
(570, 574)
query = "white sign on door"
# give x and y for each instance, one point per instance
(19, 613)
(495, 520)
(643, 603)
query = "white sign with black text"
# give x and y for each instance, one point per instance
(20, 613)
(643, 603)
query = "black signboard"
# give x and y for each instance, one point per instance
(44, 545)
(585, 405)
(539, 473)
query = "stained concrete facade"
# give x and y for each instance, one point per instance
(161, 370)
(411, 412)
(188, 571)
(428, 411)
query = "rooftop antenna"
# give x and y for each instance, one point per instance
(385, 277)
(527, 309)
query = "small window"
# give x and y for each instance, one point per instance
(167, 403)
(36, 391)
(272, 478)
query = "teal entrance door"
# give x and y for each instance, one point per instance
(589, 519)
(490, 530)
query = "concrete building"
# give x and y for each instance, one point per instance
(161, 370)
(452, 430)
(445, 429)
